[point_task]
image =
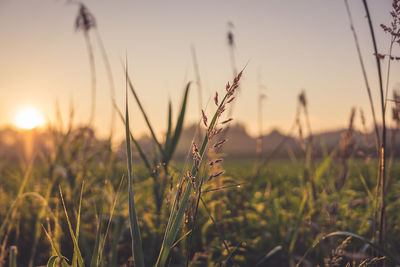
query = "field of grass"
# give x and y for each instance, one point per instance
(75, 201)
(240, 224)
(68, 198)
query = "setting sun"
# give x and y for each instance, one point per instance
(28, 118)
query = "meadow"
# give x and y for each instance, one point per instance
(70, 198)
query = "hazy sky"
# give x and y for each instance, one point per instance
(290, 44)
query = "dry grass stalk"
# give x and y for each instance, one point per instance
(85, 21)
(381, 183)
(360, 57)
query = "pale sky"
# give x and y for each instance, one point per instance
(290, 44)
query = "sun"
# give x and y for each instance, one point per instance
(28, 118)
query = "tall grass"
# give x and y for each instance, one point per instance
(382, 152)
(285, 215)
(85, 21)
(137, 250)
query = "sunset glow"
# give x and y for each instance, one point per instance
(28, 118)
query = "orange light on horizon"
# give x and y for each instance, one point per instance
(28, 118)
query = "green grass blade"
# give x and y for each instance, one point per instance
(137, 251)
(323, 167)
(364, 183)
(95, 255)
(13, 257)
(55, 248)
(298, 222)
(145, 116)
(52, 261)
(269, 255)
(111, 217)
(71, 232)
(78, 223)
(179, 125)
(139, 149)
(171, 233)
(169, 128)
(116, 235)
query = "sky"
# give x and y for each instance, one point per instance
(288, 45)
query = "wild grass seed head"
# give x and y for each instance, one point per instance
(85, 20)
(204, 118)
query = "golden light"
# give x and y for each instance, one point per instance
(28, 118)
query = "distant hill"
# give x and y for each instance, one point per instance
(239, 144)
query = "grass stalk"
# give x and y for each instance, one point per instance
(382, 154)
(110, 79)
(175, 220)
(368, 88)
(72, 234)
(93, 77)
(86, 21)
(132, 89)
(137, 250)
(13, 257)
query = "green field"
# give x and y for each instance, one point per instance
(282, 211)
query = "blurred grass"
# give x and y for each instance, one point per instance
(260, 214)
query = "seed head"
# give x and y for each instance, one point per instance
(302, 99)
(195, 151)
(219, 143)
(380, 56)
(394, 28)
(227, 87)
(226, 121)
(212, 163)
(85, 20)
(215, 175)
(230, 100)
(192, 179)
(204, 118)
(221, 110)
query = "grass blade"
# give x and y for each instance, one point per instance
(95, 255)
(78, 223)
(111, 217)
(52, 261)
(298, 222)
(144, 115)
(269, 255)
(71, 232)
(55, 248)
(13, 256)
(137, 251)
(139, 149)
(179, 125)
(169, 129)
